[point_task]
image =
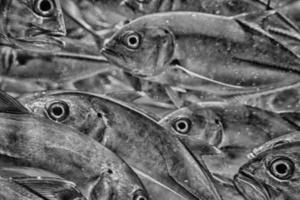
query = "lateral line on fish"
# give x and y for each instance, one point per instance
(207, 79)
(266, 91)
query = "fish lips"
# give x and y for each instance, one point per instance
(249, 187)
(116, 59)
(113, 57)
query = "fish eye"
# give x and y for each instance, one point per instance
(182, 125)
(44, 8)
(132, 40)
(58, 111)
(140, 195)
(282, 168)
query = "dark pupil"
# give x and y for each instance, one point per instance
(132, 40)
(57, 111)
(181, 125)
(45, 6)
(141, 198)
(281, 168)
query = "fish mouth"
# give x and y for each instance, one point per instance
(108, 52)
(249, 187)
(113, 57)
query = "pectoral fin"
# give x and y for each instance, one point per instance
(50, 188)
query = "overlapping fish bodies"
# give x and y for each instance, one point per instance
(234, 129)
(28, 24)
(135, 137)
(228, 53)
(218, 7)
(272, 175)
(28, 141)
(36, 184)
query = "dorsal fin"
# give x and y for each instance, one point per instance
(8, 104)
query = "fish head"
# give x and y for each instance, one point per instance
(273, 174)
(73, 110)
(141, 7)
(115, 184)
(140, 49)
(195, 123)
(34, 22)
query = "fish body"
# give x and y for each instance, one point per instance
(272, 174)
(231, 54)
(234, 129)
(131, 134)
(29, 141)
(32, 24)
(218, 7)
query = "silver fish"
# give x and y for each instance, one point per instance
(271, 175)
(221, 55)
(29, 141)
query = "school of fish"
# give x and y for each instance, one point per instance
(149, 99)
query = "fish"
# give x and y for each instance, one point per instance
(217, 7)
(31, 141)
(204, 52)
(33, 183)
(137, 138)
(272, 174)
(234, 129)
(32, 24)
